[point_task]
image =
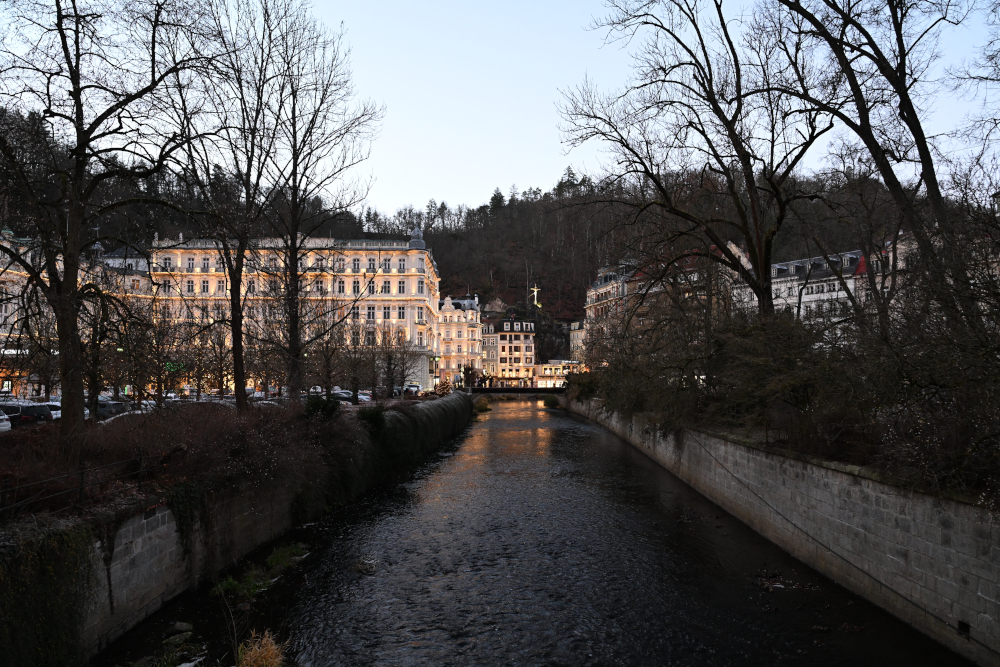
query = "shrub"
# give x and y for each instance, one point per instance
(372, 417)
(550, 401)
(321, 408)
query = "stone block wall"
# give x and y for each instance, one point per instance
(932, 562)
(150, 564)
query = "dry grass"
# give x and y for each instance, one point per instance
(260, 651)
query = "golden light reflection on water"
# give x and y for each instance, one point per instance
(494, 437)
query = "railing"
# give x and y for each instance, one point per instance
(73, 489)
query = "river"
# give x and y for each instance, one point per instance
(540, 538)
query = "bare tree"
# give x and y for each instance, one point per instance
(96, 73)
(322, 133)
(705, 151)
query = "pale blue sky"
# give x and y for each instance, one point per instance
(470, 90)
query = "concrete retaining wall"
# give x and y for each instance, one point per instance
(931, 562)
(150, 563)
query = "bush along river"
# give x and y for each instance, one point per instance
(536, 538)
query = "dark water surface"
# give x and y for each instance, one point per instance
(542, 539)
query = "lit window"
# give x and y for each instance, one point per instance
(220, 286)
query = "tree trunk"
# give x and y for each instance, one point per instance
(71, 423)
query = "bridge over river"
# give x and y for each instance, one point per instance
(542, 539)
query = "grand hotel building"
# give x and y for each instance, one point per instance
(391, 283)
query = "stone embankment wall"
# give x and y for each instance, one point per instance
(930, 561)
(148, 560)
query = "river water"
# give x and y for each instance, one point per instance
(540, 538)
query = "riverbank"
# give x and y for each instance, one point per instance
(932, 562)
(69, 587)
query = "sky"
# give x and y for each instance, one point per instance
(470, 91)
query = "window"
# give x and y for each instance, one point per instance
(273, 263)
(503, 348)
(447, 335)
(517, 349)
(371, 264)
(356, 287)
(165, 312)
(458, 349)
(320, 263)
(517, 326)
(250, 287)
(447, 349)
(386, 312)
(204, 264)
(385, 265)
(503, 336)
(355, 313)
(135, 284)
(190, 287)
(370, 313)
(515, 360)
(420, 338)
(369, 338)
(340, 264)
(402, 287)
(516, 337)
(220, 286)
(503, 360)
(527, 348)
(318, 285)
(506, 327)
(386, 287)
(420, 264)
(190, 263)
(168, 264)
(420, 287)
(371, 286)
(355, 265)
(527, 360)
(204, 287)
(420, 313)
(340, 286)
(402, 265)
(401, 313)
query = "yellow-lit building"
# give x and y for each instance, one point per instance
(377, 283)
(460, 343)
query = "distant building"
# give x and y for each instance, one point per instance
(553, 374)
(491, 349)
(577, 340)
(460, 334)
(516, 354)
(812, 288)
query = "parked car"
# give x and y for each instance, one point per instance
(55, 409)
(4, 422)
(22, 415)
(108, 409)
(411, 389)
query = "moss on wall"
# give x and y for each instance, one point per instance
(45, 581)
